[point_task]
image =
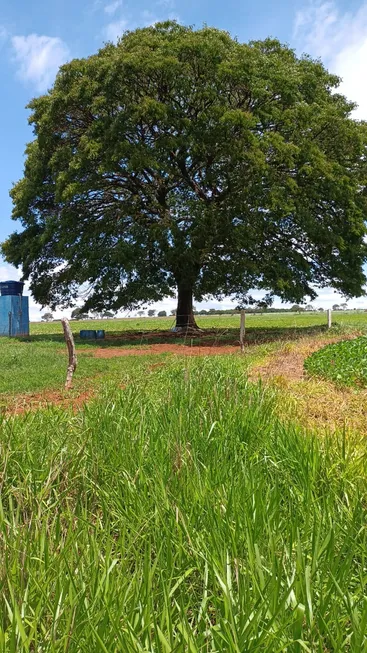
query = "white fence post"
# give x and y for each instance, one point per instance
(242, 330)
(69, 339)
(329, 318)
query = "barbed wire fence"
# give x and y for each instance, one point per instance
(209, 337)
(202, 337)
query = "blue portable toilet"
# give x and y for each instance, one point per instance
(14, 309)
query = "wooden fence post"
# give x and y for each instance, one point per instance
(329, 318)
(242, 330)
(71, 351)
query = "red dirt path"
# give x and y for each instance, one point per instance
(33, 401)
(283, 363)
(185, 350)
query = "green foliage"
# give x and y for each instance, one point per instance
(185, 159)
(79, 314)
(181, 515)
(345, 362)
(47, 317)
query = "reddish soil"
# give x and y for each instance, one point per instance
(313, 401)
(24, 403)
(286, 364)
(183, 350)
(134, 336)
(290, 364)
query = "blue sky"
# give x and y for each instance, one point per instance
(37, 37)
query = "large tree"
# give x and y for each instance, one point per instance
(184, 161)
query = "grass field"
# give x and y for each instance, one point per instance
(181, 515)
(264, 321)
(38, 363)
(184, 508)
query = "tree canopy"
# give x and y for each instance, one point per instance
(184, 161)
(79, 314)
(47, 317)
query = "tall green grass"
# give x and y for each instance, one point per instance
(181, 515)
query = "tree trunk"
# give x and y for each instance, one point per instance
(184, 316)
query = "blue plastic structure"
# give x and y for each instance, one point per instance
(88, 334)
(14, 316)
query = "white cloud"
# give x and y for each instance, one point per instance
(8, 273)
(3, 34)
(38, 59)
(318, 27)
(148, 18)
(115, 29)
(340, 39)
(113, 7)
(167, 4)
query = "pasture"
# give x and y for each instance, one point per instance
(37, 363)
(176, 500)
(220, 322)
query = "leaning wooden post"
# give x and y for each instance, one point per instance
(71, 351)
(242, 330)
(329, 318)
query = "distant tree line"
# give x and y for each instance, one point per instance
(79, 314)
(258, 310)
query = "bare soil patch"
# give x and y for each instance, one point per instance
(228, 336)
(165, 348)
(289, 360)
(209, 337)
(34, 401)
(315, 402)
(289, 365)
(321, 404)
